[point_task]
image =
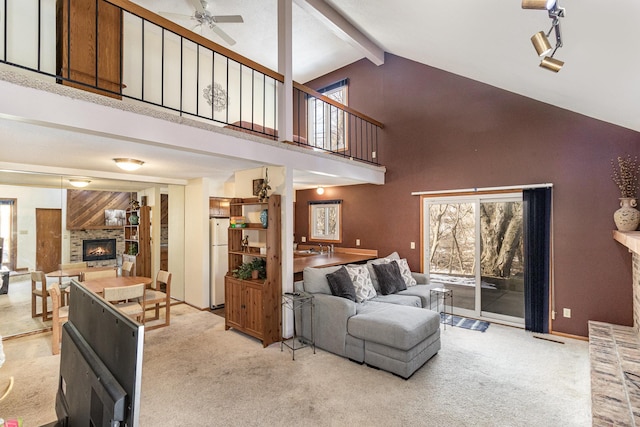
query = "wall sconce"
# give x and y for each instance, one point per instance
(540, 40)
(320, 190)
(80, 183)
(128, 165)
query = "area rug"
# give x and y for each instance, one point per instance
(463, 322)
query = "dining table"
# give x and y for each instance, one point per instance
(75, 272)
(98, 285)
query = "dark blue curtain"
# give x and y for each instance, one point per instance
(537, 238)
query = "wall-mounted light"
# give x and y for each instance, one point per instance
(320, 190)
(128, 164)
(80, 183)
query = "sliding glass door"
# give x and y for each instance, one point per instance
(473, 245)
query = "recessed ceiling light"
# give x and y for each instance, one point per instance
(80, 183)
(128, 164)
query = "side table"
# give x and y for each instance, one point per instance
(294, 302)
(444, 295)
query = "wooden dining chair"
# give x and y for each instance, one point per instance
(73, 265)
(39, 290)
(89, 275)
(128, 299)
(158, 294)
(127, 268)
(60, 316)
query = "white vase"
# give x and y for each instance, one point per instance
(627, 217)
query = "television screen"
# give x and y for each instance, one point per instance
(100, 364)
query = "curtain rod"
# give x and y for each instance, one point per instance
(476, 190)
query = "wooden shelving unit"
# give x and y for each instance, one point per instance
(253, 306)
(137, 241)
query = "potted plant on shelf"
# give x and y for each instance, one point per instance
(254, 269)
(625, 175)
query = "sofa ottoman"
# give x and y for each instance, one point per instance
(398, 339)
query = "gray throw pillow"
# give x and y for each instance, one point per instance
(341, 284)
(389, 278)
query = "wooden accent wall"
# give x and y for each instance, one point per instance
(85, 208)
(76, 45)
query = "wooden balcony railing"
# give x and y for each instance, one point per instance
(119, 49)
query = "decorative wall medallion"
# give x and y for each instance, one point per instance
(216, 96)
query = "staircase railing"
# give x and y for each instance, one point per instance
(119, 49)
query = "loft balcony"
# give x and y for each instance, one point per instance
(118, 49)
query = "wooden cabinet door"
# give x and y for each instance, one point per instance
(89, 45)
(233, 303)
(253, 316)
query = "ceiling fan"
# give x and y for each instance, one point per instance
(205, 19)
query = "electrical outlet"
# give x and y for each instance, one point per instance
(413, 245)
(373, 154)
(553, 315)
(357, 242)
(566, 312)
(304, 239)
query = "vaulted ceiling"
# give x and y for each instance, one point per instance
(487, 41)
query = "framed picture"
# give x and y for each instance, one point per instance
(257, 185)
(325, 221)
(115, 217)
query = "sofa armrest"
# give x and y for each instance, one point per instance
(421, 278)
(330, 317)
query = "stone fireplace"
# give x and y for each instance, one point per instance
(98, 249)
(79, 237)
(614, 352)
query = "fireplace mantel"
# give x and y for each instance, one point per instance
(630, 239)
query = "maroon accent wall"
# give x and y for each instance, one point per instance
(444, 132)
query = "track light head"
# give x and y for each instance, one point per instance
(538, 4)
(541, 43)
(551, 64)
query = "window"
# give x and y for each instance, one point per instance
(325, 221)
(328, 123)
(474, 245)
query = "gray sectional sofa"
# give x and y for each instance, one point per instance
(395, 332)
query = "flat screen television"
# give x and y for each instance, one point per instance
(100, 364)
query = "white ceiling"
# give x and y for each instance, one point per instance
(486, 40)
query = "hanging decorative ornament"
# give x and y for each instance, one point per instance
(216, 97)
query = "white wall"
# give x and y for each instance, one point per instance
(28, 199)
(196, 253)
(177, 257)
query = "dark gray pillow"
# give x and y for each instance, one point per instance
(341, 284)
(389, 278)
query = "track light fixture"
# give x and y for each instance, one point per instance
(540, 40)
(538, 4)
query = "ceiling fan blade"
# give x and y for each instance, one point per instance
(197, 5)
(227, 19)
(224, 36)
(169, 15)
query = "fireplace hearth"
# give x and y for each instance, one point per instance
(98, 249)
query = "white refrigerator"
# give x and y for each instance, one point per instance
(219, 262)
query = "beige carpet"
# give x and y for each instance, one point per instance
(197, 374)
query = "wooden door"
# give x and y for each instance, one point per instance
(233, 302)
(48, 239)
(253, 313)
